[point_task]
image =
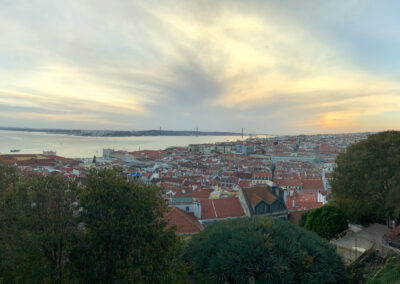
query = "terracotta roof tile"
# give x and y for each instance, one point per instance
(290, 182)
(262, 174)
(185, 223)
(257, 193)
(302, 201)
(313, 184)
(221, 208)
(199, 193)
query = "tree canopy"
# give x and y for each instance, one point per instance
(262, 250)
(125, 239)
(111, 231)
(366, 181)
(8, 177)
(37, 224)
(327, 221)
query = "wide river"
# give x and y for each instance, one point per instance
(86, 147)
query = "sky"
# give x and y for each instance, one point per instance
(276, 67)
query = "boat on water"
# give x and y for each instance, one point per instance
(15, 150)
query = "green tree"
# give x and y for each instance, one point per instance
(366, 182)
(36, 225)
(327, 221)
(124, 238)
(303, 219)
(8, 177)
(262, 250)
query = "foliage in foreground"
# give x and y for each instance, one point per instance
(52, 231)
(371, 268)
(264, 251)
(124, 238)
(390, 272)
(327, 221)
(36, 229)
(366, 182)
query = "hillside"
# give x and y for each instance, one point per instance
(374, 269)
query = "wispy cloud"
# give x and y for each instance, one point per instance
(267, 66)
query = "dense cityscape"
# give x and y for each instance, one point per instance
(209, 182)
(204, 186)
(184, 142)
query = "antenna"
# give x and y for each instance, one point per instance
(242, 133)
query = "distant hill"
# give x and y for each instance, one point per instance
(118, 133)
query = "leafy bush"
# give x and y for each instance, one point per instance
(327, 221)
(262, 250)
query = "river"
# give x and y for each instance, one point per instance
(85, 147)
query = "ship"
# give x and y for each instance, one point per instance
(14, 150)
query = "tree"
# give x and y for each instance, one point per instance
(124, 238)
(327, 221)
(261, 250)
(36, 225)
(366, 182)
(303, 219)
(8, 177)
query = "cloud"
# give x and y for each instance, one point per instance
(220, 65)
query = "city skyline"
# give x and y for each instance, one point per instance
(269, 67)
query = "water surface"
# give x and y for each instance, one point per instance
(85, 147)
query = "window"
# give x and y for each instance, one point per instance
(187, 208)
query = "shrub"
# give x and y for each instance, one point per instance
(327, 221)
(262, 250)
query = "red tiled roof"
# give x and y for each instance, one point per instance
(198, 193)
(302, 201)
(244, 183)
(35, 160)
(257, 193)
(290, 182)
(221, 208)
(254, 199)
(262, 174)
(243, 175)
(185, 223)
(313, 184)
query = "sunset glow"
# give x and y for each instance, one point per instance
(302, 67)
